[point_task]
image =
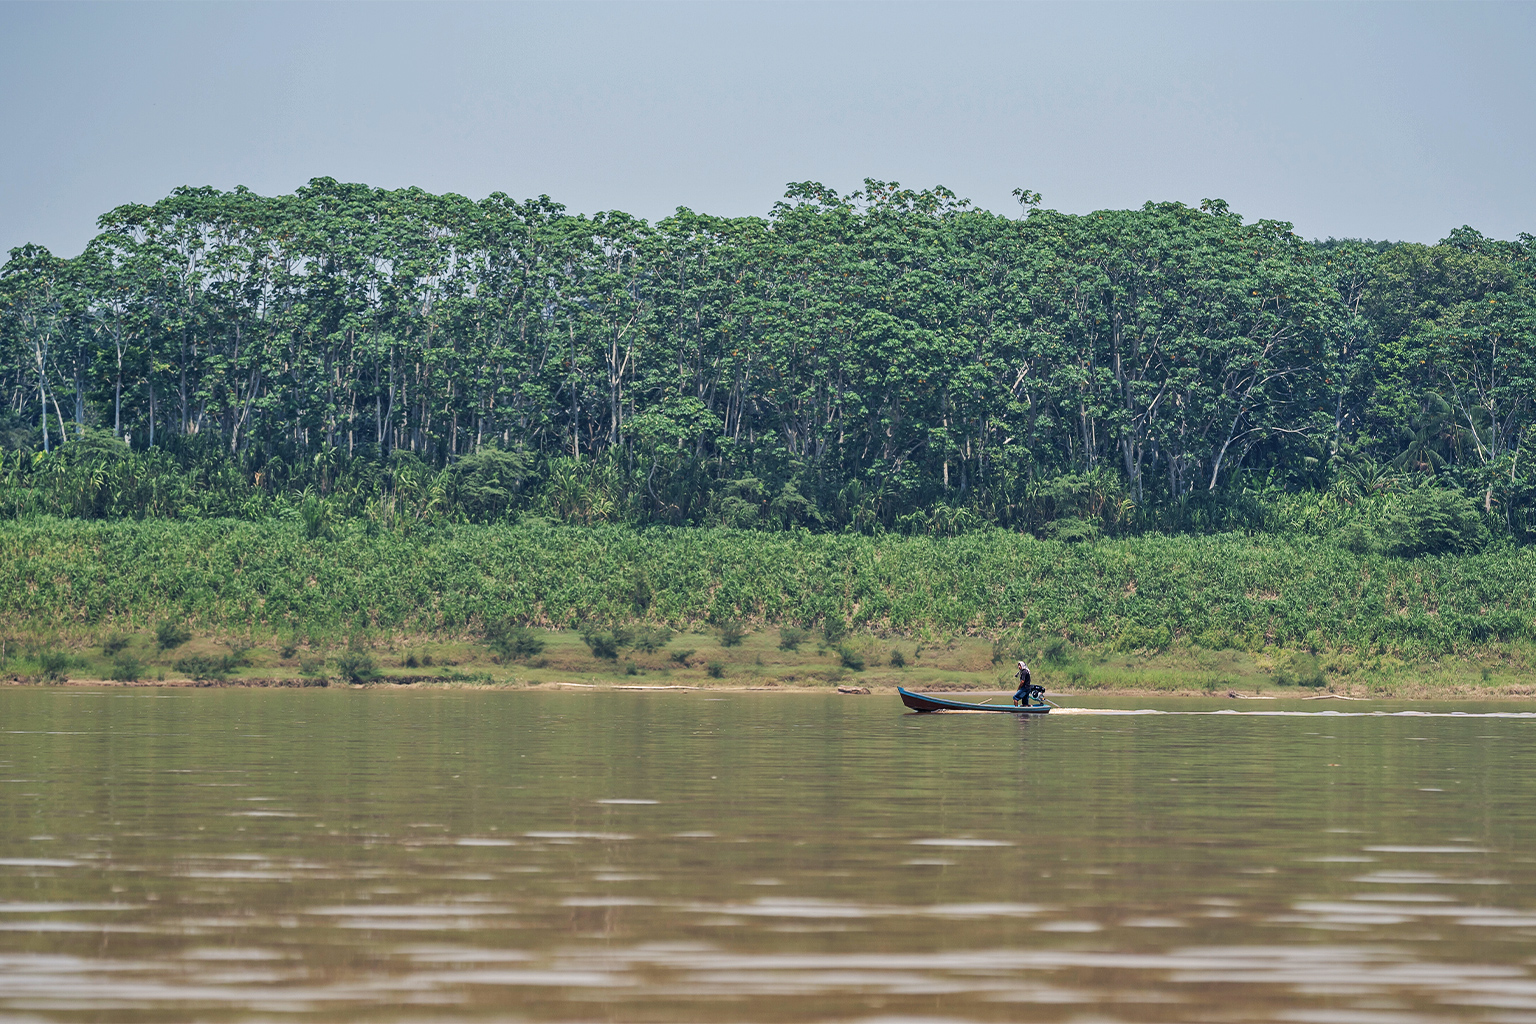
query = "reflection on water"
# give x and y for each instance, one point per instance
(234, 855)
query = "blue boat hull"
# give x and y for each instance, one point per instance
(918, 702)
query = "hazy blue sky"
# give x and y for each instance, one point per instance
(1376, 120)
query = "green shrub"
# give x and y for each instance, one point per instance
(512, 642)
(1056, 652)
(113, 644)
(1433, 521)
(526, 644)
(602, 645)
(209, 667)
(54, 666)
(171, 634)
(357, 667)
(631, 669)
(640, 595)
(127, 669)
(1357, 536)
(898, 660)
(1135, 637)
(1300, 670)
(716, 669)
(319, 519)
(311, 666)
(681, 657)
(851, 658)
(834, 629)
(732, 633)
(650, 639)
(203, 667)
(1214, 640)
(288, 649)
(791, 637)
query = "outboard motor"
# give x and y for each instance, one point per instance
(1034, 694)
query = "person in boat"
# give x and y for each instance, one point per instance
(1028, 692)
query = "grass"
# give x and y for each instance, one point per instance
(961, 663)
(1202, 614)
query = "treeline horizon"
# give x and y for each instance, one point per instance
(892, 359)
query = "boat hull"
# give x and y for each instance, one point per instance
(919, 703)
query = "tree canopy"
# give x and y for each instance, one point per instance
(889, 359)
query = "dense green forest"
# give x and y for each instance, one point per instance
(889, 360)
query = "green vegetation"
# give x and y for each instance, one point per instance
(413, 437)
(602, 645)
(53, 666)
(889, 361)
(791, 637)
(199, 666)
(650, 639)
(357, 667)
(170, 635)
(1301, 669)
(264, 600)
(208, 667)
(127, 669)
(510, 641)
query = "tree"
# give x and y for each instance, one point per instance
(34, 285)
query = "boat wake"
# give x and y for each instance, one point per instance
(1300, 714)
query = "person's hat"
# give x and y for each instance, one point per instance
(1022, 665)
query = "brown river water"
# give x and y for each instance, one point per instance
(238, 855)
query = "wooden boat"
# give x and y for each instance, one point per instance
(918, 702)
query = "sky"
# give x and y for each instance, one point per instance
(1369, 120)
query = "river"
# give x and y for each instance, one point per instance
(454, 855)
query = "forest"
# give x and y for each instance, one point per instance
(890, 360)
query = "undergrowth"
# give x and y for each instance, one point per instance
(107, 579)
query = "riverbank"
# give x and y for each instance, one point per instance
(1514, 693)
(787, 660)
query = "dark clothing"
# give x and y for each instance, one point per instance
(1025, 690)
